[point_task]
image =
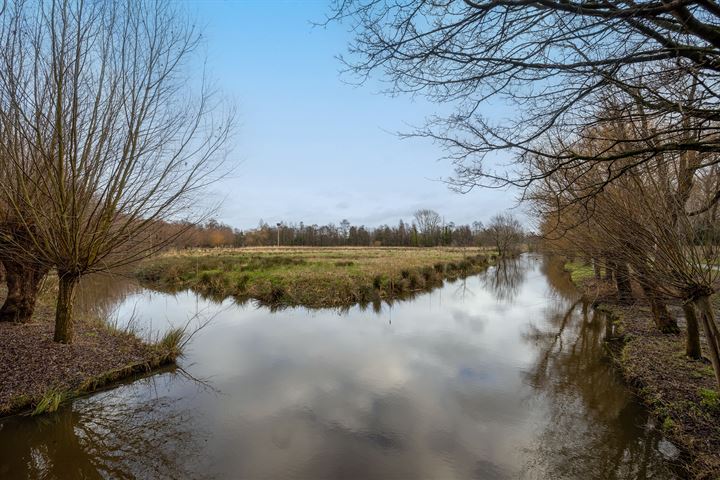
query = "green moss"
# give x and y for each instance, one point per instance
(668, 424)
(709, 398)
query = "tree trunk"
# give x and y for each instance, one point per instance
(692, 344)
(622, 280)
(23, 282)
(64, 311)
(707, 320)
(609, 267)
(663, 320)
(597, 269)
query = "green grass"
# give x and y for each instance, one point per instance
(314, 277)
(668, 424)
(709, 398)
(579, 271)
(49, 402)
(172, 342)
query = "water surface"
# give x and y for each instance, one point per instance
(502, 375)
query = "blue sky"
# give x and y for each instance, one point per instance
(309, 146)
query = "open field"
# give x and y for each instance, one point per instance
(312, 277)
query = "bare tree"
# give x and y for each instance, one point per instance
(556, 63)
(101, 97)
(428, 225)
(670, 258)
(506, 232)
(648, 219)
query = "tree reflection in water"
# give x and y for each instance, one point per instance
(505, 279)
(593, 428)
(120, 434)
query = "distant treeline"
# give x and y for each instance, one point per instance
(426, 230)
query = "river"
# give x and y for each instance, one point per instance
(502, 375)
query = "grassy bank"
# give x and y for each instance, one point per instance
(38, 374)
(312, 277)
(680, 392)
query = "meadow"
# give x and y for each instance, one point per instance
(312, 277)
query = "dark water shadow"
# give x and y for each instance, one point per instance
(134, 434)
(595, 429)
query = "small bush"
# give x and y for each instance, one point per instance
(428, 274)
(277, 293)
(208, 277)
(172, 342)
(464, 265)
(415, 281)
(400, 286)
(364, 294)
(241, 283)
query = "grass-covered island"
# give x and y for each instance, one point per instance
(38, 373)
(679, 391)
(312, 277)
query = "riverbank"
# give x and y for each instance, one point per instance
(680, 392)
(38, 374)
(312, 277)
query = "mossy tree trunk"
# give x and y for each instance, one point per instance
(23, 283)
(707, 320)
(65, 302)
(692, 343)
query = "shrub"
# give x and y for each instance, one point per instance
(277, 293)
(172, 342)
(364, 294)
(415, 281)
(428, 274)
(241, 283)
